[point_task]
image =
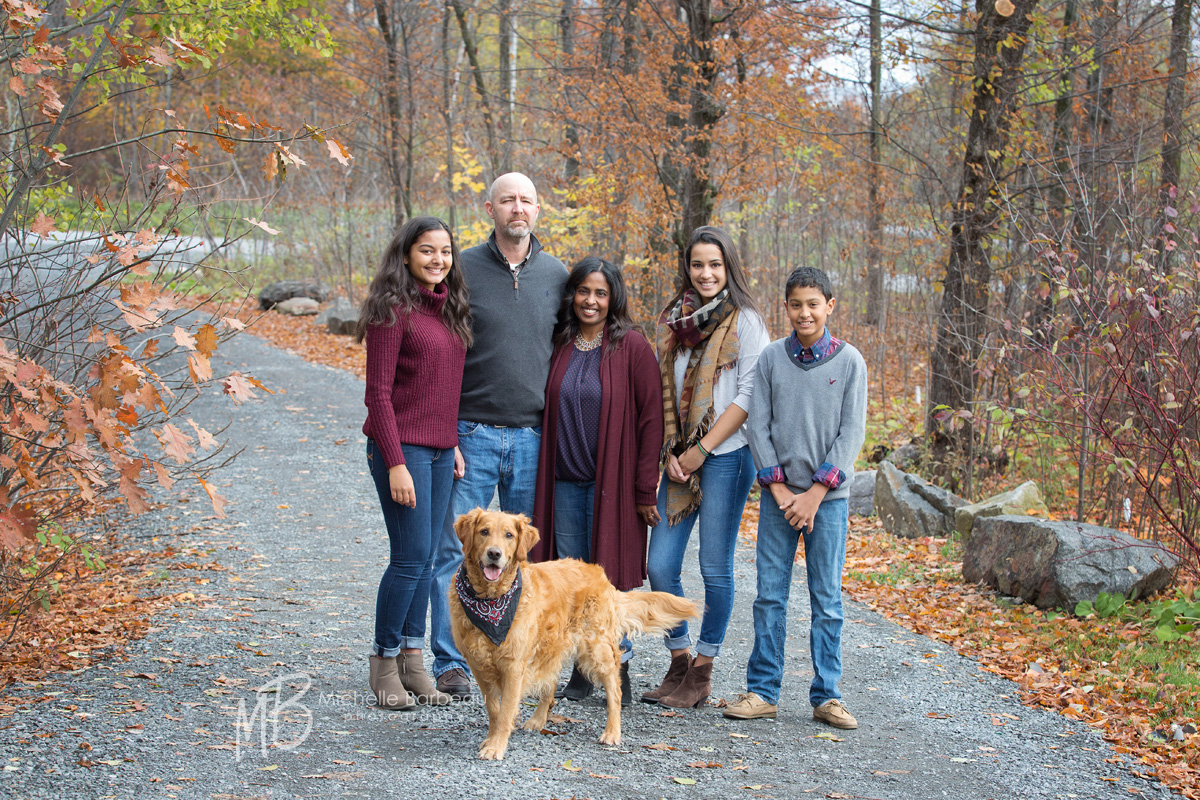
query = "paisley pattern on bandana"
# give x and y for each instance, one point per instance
(492, 615)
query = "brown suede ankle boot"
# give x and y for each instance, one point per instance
(417, 681)
(674, 677)
(385, 683)
(694, 690)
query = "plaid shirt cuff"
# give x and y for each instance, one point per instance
(829, 475)
(770, 475)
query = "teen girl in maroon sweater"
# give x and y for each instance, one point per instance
(417, 324)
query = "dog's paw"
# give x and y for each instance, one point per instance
(533, 724)
(610, 738)
(492, 752)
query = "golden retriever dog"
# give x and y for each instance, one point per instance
(565, 610)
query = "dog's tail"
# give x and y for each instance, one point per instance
(653, 612)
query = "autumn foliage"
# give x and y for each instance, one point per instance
(102, 341)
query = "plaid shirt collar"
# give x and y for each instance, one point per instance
(807, 355)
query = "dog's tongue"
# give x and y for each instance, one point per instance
(491, 572)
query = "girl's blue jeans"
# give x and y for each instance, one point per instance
(403, 597)
(725, 482)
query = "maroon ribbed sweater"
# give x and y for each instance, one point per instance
(414, 379)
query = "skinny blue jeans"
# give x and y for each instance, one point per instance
(824, 560)
(725, 482)
(498, 459)
(404, 589)
(574, 505)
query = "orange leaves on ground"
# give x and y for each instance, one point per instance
(97, 612)
(913, 583)
(311, 342)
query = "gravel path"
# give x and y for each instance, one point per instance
(287, 606)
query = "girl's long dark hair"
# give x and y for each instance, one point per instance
(394, 290)
(735, 277)
(618, 322)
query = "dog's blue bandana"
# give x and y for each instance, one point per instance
(492, 615)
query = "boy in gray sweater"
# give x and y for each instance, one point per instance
(806, 425)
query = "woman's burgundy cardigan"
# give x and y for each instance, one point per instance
(631, 435)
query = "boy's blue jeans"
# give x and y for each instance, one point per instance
(725, 481)
(498, 459)
(824, 559)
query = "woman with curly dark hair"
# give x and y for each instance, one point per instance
(602, 431)
(417, 324)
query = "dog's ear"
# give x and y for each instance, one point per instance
(527, 537)
(465, 525)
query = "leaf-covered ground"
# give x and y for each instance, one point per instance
(1052, 659)
(1112, 674)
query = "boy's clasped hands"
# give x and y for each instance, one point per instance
(799, 509)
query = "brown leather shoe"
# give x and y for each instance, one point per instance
(455, 683)
(832, 712)
(694, 690)
(674, 677)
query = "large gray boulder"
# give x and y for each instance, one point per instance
(906, 456)
(862, 493)
(1058, 564)
(340, 317)
(298, 306)
(1024, 500)
(911, 507)
(275, 293)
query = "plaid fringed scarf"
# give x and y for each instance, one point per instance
(711, 332)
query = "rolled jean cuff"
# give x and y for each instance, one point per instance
(678, 643)
(390, 652)
(412, 643)
(626, 649)
(706, 649)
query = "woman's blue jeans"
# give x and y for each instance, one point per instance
(574, 504)
(403, 596)
(725, 482)
(824, 559)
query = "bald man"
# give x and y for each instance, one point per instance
(516, 290)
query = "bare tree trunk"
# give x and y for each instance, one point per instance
(391, 94)
(508, 81)
(485, 105)
(697, 190)
(566, 26)
(999, 49)
(874, 203)
(448, 113)
(1173, 127)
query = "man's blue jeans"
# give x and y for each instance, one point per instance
(500, 460)
(824, 559)
(725, 482)
(574, 504)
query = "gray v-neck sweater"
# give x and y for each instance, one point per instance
(504, 378)
(804, 415)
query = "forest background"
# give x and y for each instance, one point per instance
(1002, 191)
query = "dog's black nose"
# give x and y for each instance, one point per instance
(494, 554)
